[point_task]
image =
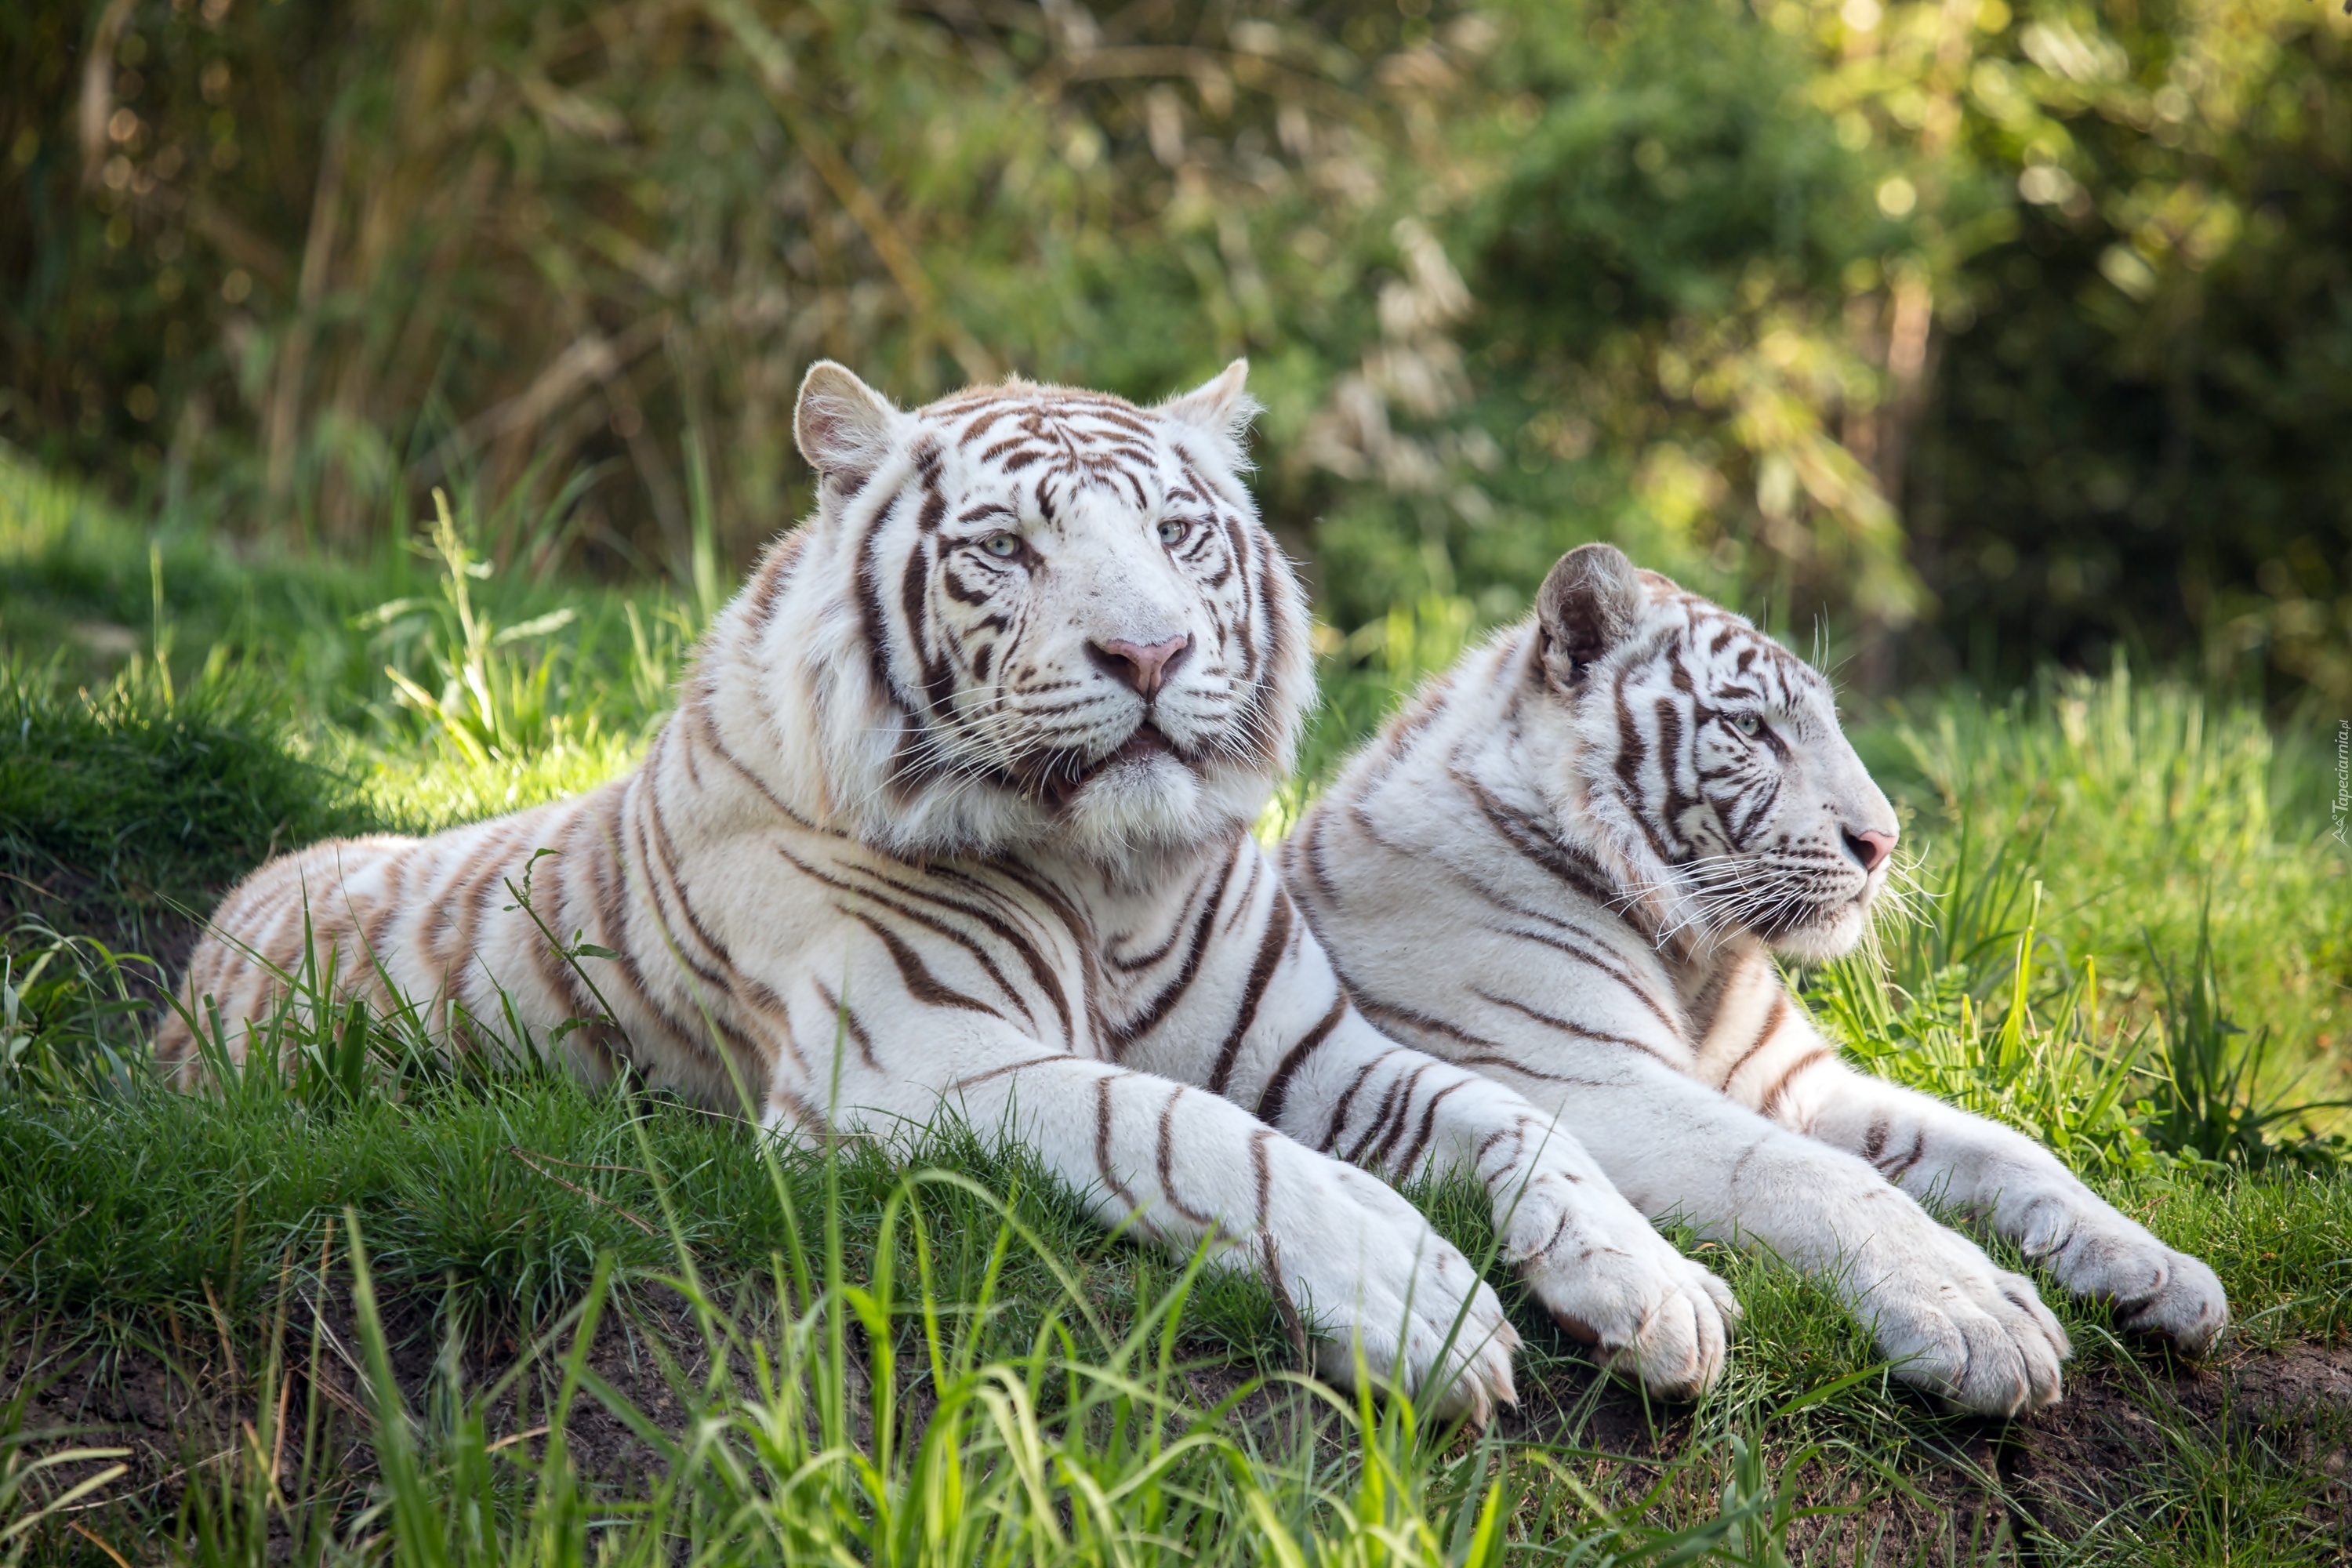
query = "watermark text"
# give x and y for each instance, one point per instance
(2343, 779)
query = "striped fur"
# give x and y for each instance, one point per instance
(1569, 863)
(956, 804)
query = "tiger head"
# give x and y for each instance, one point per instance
(1042, 618)
(1711, 758)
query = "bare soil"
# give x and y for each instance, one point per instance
(2123, 1433)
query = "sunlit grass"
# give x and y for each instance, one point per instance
(2151, 816)
(424, 793)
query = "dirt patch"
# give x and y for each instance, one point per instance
(189, 1407)
(2157, 1437)
(1939, 1499)
(2299, 1379)
(2130, 1439)
(156, 926)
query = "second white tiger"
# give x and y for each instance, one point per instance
(1569, 865)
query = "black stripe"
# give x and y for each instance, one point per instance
(1263, 1172)
(1167, 1160)
(1529, 838)
(1380, 1120)
(979, 953)
(1631, 751)
(1772, 1016)
(1428, 1125)
(1153, 1016)
(1403, 1113)
(1102, 1140)
(1780, 1085)
(1598, 960)
(1271, 945)
(717, 744)
(1347, 1098)
(869, 604)
(1272, 1100)
(920, 982)
(661, 879)
(845, 1021)
(1032, 959)
(1551, 1021)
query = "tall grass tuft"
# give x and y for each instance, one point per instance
(2211, 1099)
(1987, 1028)
(2157, 822)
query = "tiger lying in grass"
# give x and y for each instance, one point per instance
(956, 804)
(1569, 864)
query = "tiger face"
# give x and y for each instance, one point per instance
(1063, 622)
(1715, 758)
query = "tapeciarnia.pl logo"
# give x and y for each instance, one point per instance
(2343, 778)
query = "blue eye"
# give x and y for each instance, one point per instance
(1003, 546)
(1748, 724)
(1171, 531)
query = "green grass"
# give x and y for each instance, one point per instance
(743, 1354)
(114, 810)
(2152, 817)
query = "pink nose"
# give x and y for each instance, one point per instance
(1143, 666)
(1871, 849)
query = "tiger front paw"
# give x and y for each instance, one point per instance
(1371, 1273)
(1951, 1322)
(1611, 1281)
(2157, 1292)
(2186, 1305)
(2096, 1251)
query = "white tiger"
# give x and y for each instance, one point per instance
(956, 804)
(1569, 863)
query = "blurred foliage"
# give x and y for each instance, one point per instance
(2024, 321)
(2138, 439)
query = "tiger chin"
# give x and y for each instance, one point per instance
(953, 812)
(1569, 863)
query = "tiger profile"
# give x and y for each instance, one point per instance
(955, 806)
(1569, 863)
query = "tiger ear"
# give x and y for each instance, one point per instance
(844, 426)
(1220, 409)
(1590, 601)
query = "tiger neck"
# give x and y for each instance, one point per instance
(1542, 770)
(1108, 888)
(1704, 980)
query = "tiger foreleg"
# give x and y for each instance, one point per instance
(2015, 1188)
(1947, 1318)
(1597, 1265)
(1187, 1169)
